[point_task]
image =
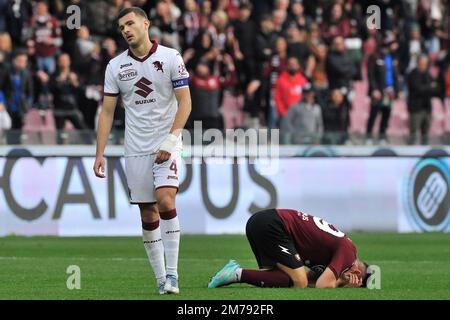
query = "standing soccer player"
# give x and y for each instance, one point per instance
(152, 82)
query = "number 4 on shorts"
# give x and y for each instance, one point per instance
(173, 166)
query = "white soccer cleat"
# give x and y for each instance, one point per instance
(161, 286)
(171, 285)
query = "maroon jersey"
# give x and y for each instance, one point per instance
(318, 243)
(46, 35)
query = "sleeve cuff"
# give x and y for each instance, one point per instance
(110, 94)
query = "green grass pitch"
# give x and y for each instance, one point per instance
(413, 266)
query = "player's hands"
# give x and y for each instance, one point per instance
(162, 156)
(99, 167)
(353, 281)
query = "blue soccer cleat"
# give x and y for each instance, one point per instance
(225, 276)
(171, 285)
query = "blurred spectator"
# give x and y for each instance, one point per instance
(303, 122)
(84, 47)
(231, 97)
(289, 87)
(42, 95)
(319, 74)
(18, 15)
(6, 47)
(415, 47)
(335, 118)
(244, 31)
(5, 97)
(265, 44)
(382, 72)
(205, 13)
(421, 87)
(91, 86)
(280, 21)
(22, 94)
(64, 86)
(277, 66)
(231, 7)
(6, 88)
(99, 17)
(339, 66)
(354, 47)
(297, 15)
(219, 29)
(336, 25)
(434, 40)
(3, 12)
(298, 47)
(205, 91)
(190, 22)
(46, 37)
(5, 119)
(203, 49)
(164, 16)
(314, 36)
(281, 5)
(109, 50)
(173, 8)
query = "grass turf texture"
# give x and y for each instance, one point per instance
(413, 266)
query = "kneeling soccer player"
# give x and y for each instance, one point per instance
(284, 241)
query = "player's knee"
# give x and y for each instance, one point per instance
(298, 280)
(299, 283)
(149, 212)
(166, 202)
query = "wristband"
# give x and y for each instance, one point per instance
(170, 143)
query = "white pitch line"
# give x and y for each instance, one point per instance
(110, 259)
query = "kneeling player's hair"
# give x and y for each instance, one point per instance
(136, 10)
(366, 275)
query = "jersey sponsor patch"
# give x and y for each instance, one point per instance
(180, 83)
(128, 75)
(144, 87)
(125, 65)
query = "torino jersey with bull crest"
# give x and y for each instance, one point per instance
(147, 88)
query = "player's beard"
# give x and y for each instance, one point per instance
(135, 41)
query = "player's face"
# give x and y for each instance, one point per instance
(354, 275)
(133, 28)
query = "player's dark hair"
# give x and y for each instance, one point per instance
(136, 10)
(366, 276)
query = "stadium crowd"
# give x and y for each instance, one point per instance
(288, 64)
